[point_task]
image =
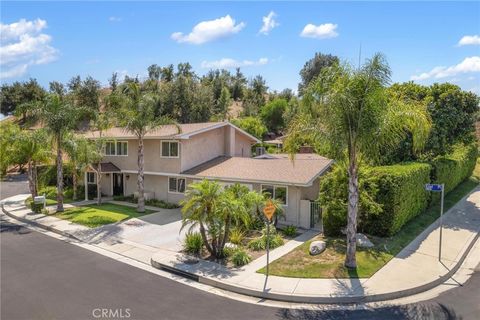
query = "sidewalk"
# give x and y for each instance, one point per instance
(415, 269)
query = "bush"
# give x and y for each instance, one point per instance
(50, 192)
(290, 231)
(257, 244)
(261, 243)
(402, 195)
(454, 168)
(236, 236)
(36, 207)
(240, 258)
(150, 202)
(193, 243)
(275, 241)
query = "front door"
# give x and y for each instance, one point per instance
(118, 184)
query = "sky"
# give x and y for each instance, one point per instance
(425, 42)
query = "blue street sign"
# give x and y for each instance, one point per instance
(433, 187)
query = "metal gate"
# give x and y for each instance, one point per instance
(315, 214)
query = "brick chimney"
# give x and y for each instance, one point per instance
(305, 149)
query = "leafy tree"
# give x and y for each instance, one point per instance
(313, 68)
(137, 115)
(59, 117)
(272, 114)
(85, 95)
(238, 86)
(154, 72)
(32, 148)
(223, 103)
(113, 81)
(9, 133)
(80, 155)
(57, 88)
(255, 96)
(349, 116)
(21, 98)
(252, 125)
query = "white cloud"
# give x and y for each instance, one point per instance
(469, 40)
(114, 19)
(323, 31)
(22, 45)
(468, 65)
(269, 23)
(227, 63)
(210, 30)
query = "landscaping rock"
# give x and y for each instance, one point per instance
(363, 241)
(231, 245)
(317, 247)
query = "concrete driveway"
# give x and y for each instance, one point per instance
(159, 230)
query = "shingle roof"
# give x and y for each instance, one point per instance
(279, 169)
(107, 167)
(166, 132)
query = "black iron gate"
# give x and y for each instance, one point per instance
(315, 213)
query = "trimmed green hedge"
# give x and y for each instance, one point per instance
(454, 168)
(401, 194)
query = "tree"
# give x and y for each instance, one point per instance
(223, 103)
(59, 117)
(80, 155)
(137, 115)
(272, 114)
(239, 83)
(154, 72)
(255, 96)
(31, 147)
(113, 81)
(21, 98)
(9, 133)
(313, 67)
(252, 125)
(349, 115)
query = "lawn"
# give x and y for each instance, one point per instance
(97, 215)
(299, 263)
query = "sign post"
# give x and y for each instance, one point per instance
(268, 211)
(438, 188)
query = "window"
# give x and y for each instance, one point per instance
(276, 192)
(119, 148)
(169, 149)
(91, 178)
(122, 148)
(176, 185)
(110, 148)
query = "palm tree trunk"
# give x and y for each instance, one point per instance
(31, 181)
(59, 174)
(204, 238)
(140, 177)
(353, 198)
(35, 177)
(225, 234)
(74, 181)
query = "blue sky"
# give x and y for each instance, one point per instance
(57, 40)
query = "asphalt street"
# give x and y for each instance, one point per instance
(46, 278)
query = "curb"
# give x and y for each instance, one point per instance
(39, 225)
(320, 299)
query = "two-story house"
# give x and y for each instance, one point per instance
(215, 150)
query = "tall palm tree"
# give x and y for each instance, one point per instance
(59, 116)
(347, 115)
(31, 147)
(138, 116)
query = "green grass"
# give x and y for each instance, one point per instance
(97, 215)
(329, 264)
(50, 202)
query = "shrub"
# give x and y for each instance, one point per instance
(36, 207)
(240, 258)
(257, 244)
(402, 195)
(161, 204)
(50, 192)
(261, 243)
(290, 231)
(275, 241)
(236, 236)
(454, 168)
(273, 230)
(193, 243)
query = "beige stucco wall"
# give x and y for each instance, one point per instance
(243, 145)
(153, 183)
(311, 193)
(202, 147)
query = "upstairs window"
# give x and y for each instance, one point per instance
(119, 148)
(169, 149)
(176, 185)
(279, 193)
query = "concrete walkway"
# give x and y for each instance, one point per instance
(413, 270)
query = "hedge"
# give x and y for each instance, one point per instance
(401, 194)
(455, 167)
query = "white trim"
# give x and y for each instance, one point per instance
(273, 195)
(170, 141)
(176, 192)
(188, 135)
(245, 133)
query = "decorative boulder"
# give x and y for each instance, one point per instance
(231, 245)
(317, 247)
(363, 241)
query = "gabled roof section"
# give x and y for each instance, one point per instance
(277, 169)
(181, 131)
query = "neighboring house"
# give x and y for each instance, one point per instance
(214, 150)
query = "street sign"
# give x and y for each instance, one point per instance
(434, 187)
(269, 210)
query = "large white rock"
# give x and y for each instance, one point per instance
(363, 241)
(317, 247)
